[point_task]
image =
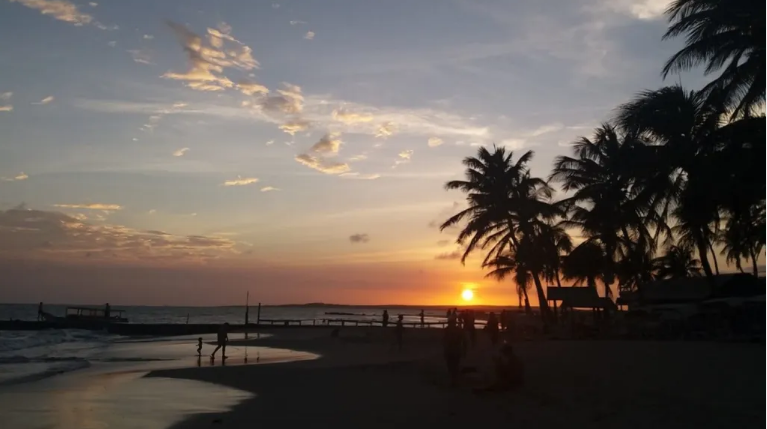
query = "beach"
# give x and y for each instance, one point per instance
(360, 380)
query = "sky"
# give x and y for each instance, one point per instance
(185, 152)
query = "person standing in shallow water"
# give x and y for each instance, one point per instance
(422, 317)
(222, 339)
(385, 321)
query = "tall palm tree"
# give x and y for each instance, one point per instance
(677, 262)
(505, 265)
(744, 237)
(686, 132)
(609, 203)
(507, 207)
(722, 34)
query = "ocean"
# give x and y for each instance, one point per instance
(27, 356)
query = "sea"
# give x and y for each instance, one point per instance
(27, 356)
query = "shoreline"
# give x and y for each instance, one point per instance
(359, 381)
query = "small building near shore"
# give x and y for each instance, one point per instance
(694, 290)
(578, 297)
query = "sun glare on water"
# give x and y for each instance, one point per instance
(467, 294)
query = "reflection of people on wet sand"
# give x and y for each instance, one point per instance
(221, 340)
(454, 345)
(199, 347)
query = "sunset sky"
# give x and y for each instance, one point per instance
(183, 152)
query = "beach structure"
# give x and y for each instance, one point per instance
(578, 297)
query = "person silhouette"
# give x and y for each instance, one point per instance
(199, 347)
(40, 311)
(399, 329)
(422, 317)
(454, 344)
(492, 328)
(221, 340)
(107, 311)
(385, 321)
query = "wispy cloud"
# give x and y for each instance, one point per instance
(434, 141)
(139, 56)
(296, 22)
(93, 4)
(269, 189)
(322, 165)
(358, 176)
(209, 56)
(47, 100)
(181, 152)
(241, 181)
(112, 43)
(94, 206)
(359, 238)
(16, 178)
(309, 35)
(52, 234)
(59, 9)
(385, 130)
(294, 126)
(289, 99)
(270, 142)
(403, 157)
(248, 87)
(6, 96)
(147, 37)
(449, 256)
(348, 117)
(329, 144)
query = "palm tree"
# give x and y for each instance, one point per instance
(506, 265)
(610, 204)
(685, 130)
(507, 209)
(722, 34)
(586, 264)
(744, 237)
(677, 262)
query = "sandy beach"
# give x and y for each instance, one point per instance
(362, 381)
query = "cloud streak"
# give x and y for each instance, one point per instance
(181, 152)
(94, 206)
(241, 181)
(16, 178)
(359, 238)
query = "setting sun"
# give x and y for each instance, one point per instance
(467, 295)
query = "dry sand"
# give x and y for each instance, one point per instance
(363, 382)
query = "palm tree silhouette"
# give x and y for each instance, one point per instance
(722, 34)
(508, 210)
(677, 262)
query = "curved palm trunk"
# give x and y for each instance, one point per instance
(542, 303)
(753, 262)
(713, 255)
(527, 300)
(702, 245)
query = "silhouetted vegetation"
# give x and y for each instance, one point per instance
(673, 174)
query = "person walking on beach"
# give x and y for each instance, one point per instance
(107, 310)
(385, 321)
(399, 330)
(454, 345)
(40, 311)
(422, 317)
(221, 340)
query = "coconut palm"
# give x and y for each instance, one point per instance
(610, 203)
(507, 265)
(677, 262)
(685, 130)
(586, 264)
(507, 208)
(744, 236)
(722, 34)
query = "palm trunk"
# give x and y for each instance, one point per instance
(713, 254)
(559, 284)
(527, 300)
(542, 303)
(753, 262)
(701, 243)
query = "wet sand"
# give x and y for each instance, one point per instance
(362, 381)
